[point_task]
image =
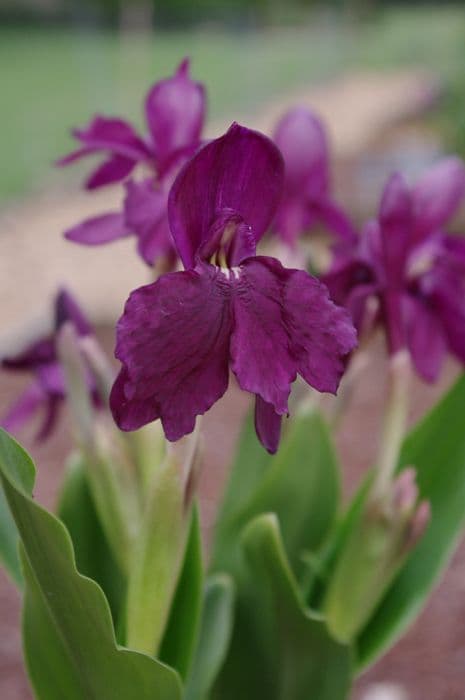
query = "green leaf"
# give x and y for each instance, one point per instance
(181, 633)
(68, 633)
(300, 484)
(9, 542)
(280, 649)
(436, 447)
(214, 637)
(94, 557)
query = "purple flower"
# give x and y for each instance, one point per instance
(306, 200)
(175, 113)
(412, 267)
(229, 308)
(47, 390)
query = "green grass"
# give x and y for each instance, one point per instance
(52, 80)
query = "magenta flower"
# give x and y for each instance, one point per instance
(414, 269)
(306, 200)
(175, 112)
(47, 390)
(229, 308)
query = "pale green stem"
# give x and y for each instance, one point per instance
(159, 551)
(110, 496)
(394, 422)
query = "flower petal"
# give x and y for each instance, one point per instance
(99, 229)
(351, 284)
(134, 413)
(267, 425)
(447, 295)
(145, 210)
(301, 138)
(112, 170)
(175, 112)
(292, 219)
(335, 219)
(173, 340)
(24, 407)
(50, 418)
(437, 195)
(241, 171)
(395, 218)
(286, 324)
(67, 309)
(321, 333)
(260, 345)
(425, 338)
(38, 353)
(113, 135)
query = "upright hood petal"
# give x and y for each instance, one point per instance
(241, 171)
(437, 195)
(175, 112)
(301, 138)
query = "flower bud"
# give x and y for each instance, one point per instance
(385, 532)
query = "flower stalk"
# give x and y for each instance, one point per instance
(394, 423)
(113, 499)
(160, 547)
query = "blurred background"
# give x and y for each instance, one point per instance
(388, 78)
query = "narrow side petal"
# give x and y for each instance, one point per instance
(267, 425)
(426, 340)
(241, 171)
(336, 220)
(145, 210)
(351, 284)
(292, 219)
(52, 408)
(175, 113)
(30, 401)
(37, 353)
(173, 340)
(447, 296)
(99, 229)
(113, 135)
(67, 309)
(395, 218)
(113, 170)
(437, 195)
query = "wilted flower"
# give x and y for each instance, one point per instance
(414, 269)
(47, 390)
(175, 112)
(306, 200)
(178, 337)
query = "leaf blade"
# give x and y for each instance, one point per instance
(76, 604)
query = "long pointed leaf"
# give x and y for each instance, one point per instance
(300, 484)
(280, 649)
(181, 632)
(71, 607)
(214, 638)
